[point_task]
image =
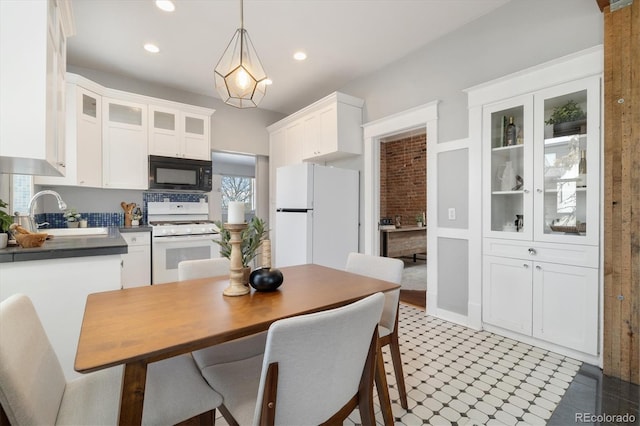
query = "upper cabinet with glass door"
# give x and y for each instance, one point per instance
(509, 173)
(181, 134)
(542, 152)
(567, 162)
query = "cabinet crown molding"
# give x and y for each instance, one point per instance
(335, 97)
(585, 63)
(134, 97)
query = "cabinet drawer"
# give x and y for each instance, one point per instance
(566, 254)
(136, 238)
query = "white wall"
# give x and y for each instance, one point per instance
(518, 35)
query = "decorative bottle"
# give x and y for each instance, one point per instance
(510, 133)
(582, 169)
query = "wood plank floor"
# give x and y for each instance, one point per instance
(414, 297)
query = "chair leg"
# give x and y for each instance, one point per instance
(383, 389)
(228, 416)
(394, 347)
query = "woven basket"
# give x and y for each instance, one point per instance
(581, 227)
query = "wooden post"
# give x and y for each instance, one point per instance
(236, 274)
(621, 346)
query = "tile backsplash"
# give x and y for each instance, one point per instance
(96, 219)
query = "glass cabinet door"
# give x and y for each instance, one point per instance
(509, 130)
(566, 163)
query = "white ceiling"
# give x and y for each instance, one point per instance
(344, 39)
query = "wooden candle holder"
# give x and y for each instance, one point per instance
(236, 274)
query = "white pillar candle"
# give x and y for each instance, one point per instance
(236, 212)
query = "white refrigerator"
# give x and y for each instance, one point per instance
(317, 215)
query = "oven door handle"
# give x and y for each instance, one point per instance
(185, 238)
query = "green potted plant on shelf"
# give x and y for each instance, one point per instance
(419, 220)
(567, 119)
(252, 237)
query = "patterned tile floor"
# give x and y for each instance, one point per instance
(456, 375)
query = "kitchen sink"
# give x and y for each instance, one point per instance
(76, 232)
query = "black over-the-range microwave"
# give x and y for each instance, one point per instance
(182, 174)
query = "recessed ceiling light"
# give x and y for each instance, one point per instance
(166, 5)
(300, 56)
(152, 48)
(268, 82)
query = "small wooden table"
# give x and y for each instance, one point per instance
(404, 241)
(141, 325)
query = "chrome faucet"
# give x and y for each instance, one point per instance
(32, 205)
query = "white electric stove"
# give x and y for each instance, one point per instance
(180, 231)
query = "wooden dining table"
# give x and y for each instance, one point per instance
(141, 325)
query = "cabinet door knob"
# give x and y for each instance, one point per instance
(532, 251)
(539, 191)
(526, 191)
(539, 268)
(525, 265)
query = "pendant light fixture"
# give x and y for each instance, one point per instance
(239, 77)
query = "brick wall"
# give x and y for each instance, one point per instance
(403, 178)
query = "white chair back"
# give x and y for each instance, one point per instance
(320, 359)
(31, 379)
(203, 268)
(382, 268)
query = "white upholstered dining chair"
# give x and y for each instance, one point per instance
(202, 268)
(316, 369)
(34, 391)
(242, 348)
(387, 269)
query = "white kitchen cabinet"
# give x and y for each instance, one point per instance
(83, 140)
(537, 177)
(557, 303)
(32, 71)
(506, 296)
(540, 213)
(326, 130)
(58, 289)
(124, 144)
(136, 264)
(109, 135)
(565, 301)
(339, 133)
(176, 133)
(311, 136)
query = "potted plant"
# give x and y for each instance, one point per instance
(5, 222)
(568, 119)
(252, 237)
(419, 220)
(73, 217)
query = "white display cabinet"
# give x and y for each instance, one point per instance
(541, 208)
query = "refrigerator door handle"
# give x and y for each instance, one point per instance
(293, 210)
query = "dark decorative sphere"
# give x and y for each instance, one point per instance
(266, 279)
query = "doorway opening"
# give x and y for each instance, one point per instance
(403, 202)
(421, 120)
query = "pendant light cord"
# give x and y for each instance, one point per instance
(241, 15)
